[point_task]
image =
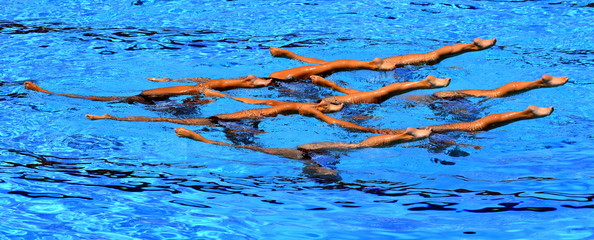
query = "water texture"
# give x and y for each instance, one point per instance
(65, 177)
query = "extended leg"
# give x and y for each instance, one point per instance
(411, 134)
(279, 52)
(312, 169)
(494, 120)
(507, 89)
(320, 81)
(198, 79)
(284, 152)
(189, 121)
(34, 87)
(441, 53)
(385, 93)
(331, 67)
(487, 123)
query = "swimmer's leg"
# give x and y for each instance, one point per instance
(410, 134)
(330, 67)
(441, 53)
(166, 92)
(320, 81)
(508, 89)
(258, 101)
(387, 92)
(284, 152)
(283, 53)
(198, 79)
(312, 169)
(190, 121)
(34, 87)
(494, 120)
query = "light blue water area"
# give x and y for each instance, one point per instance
(65, 177)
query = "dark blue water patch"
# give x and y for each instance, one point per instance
(432, 206)
(45, 195)
(189, 203)
(436, 8)
(511, 207)
(88, 142)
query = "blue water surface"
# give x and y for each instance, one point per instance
(66, 177)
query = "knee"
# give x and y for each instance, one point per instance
(433, 58)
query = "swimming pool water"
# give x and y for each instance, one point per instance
(66, 177)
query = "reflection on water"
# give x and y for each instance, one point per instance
(129, 179)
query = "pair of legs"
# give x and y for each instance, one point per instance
(276, 108)
(148, 96)
(382, 94)
(325, 68)
(389, 137)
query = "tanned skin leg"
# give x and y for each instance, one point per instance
(322, 82)
(147, 96)
(198, 79)
(189, 121)
(440, 54)
(283, 53)
(506, 90)
(410, 134)
(385, 93)
(312, 169)
(250, 81)
(282, 108)
(325, 68)
(331, 67)
(34, 87)
(486, 123)
(494, 120)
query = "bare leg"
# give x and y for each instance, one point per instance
(250, 81)
(487, 123)
(331, 67)
(144, 97)
(312, 169)
(172, 91)
(494, 120)
(507, 89)
(285, 152)
(283, 53)
(441, 53)
(199, 79)
(34, 87)
(320, 81)
(190, 121)
(411, 134)
(385, 93)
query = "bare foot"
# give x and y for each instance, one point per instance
(438, 82)
(418, 133)
(34, 87)
(383, 65)
(257, 82)
(327, 107)
(320, 81)
(551, 81)
(279, 52)
(185, 133)
(540, 111)
(96, 117)
(159, 79)
(484, 44)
